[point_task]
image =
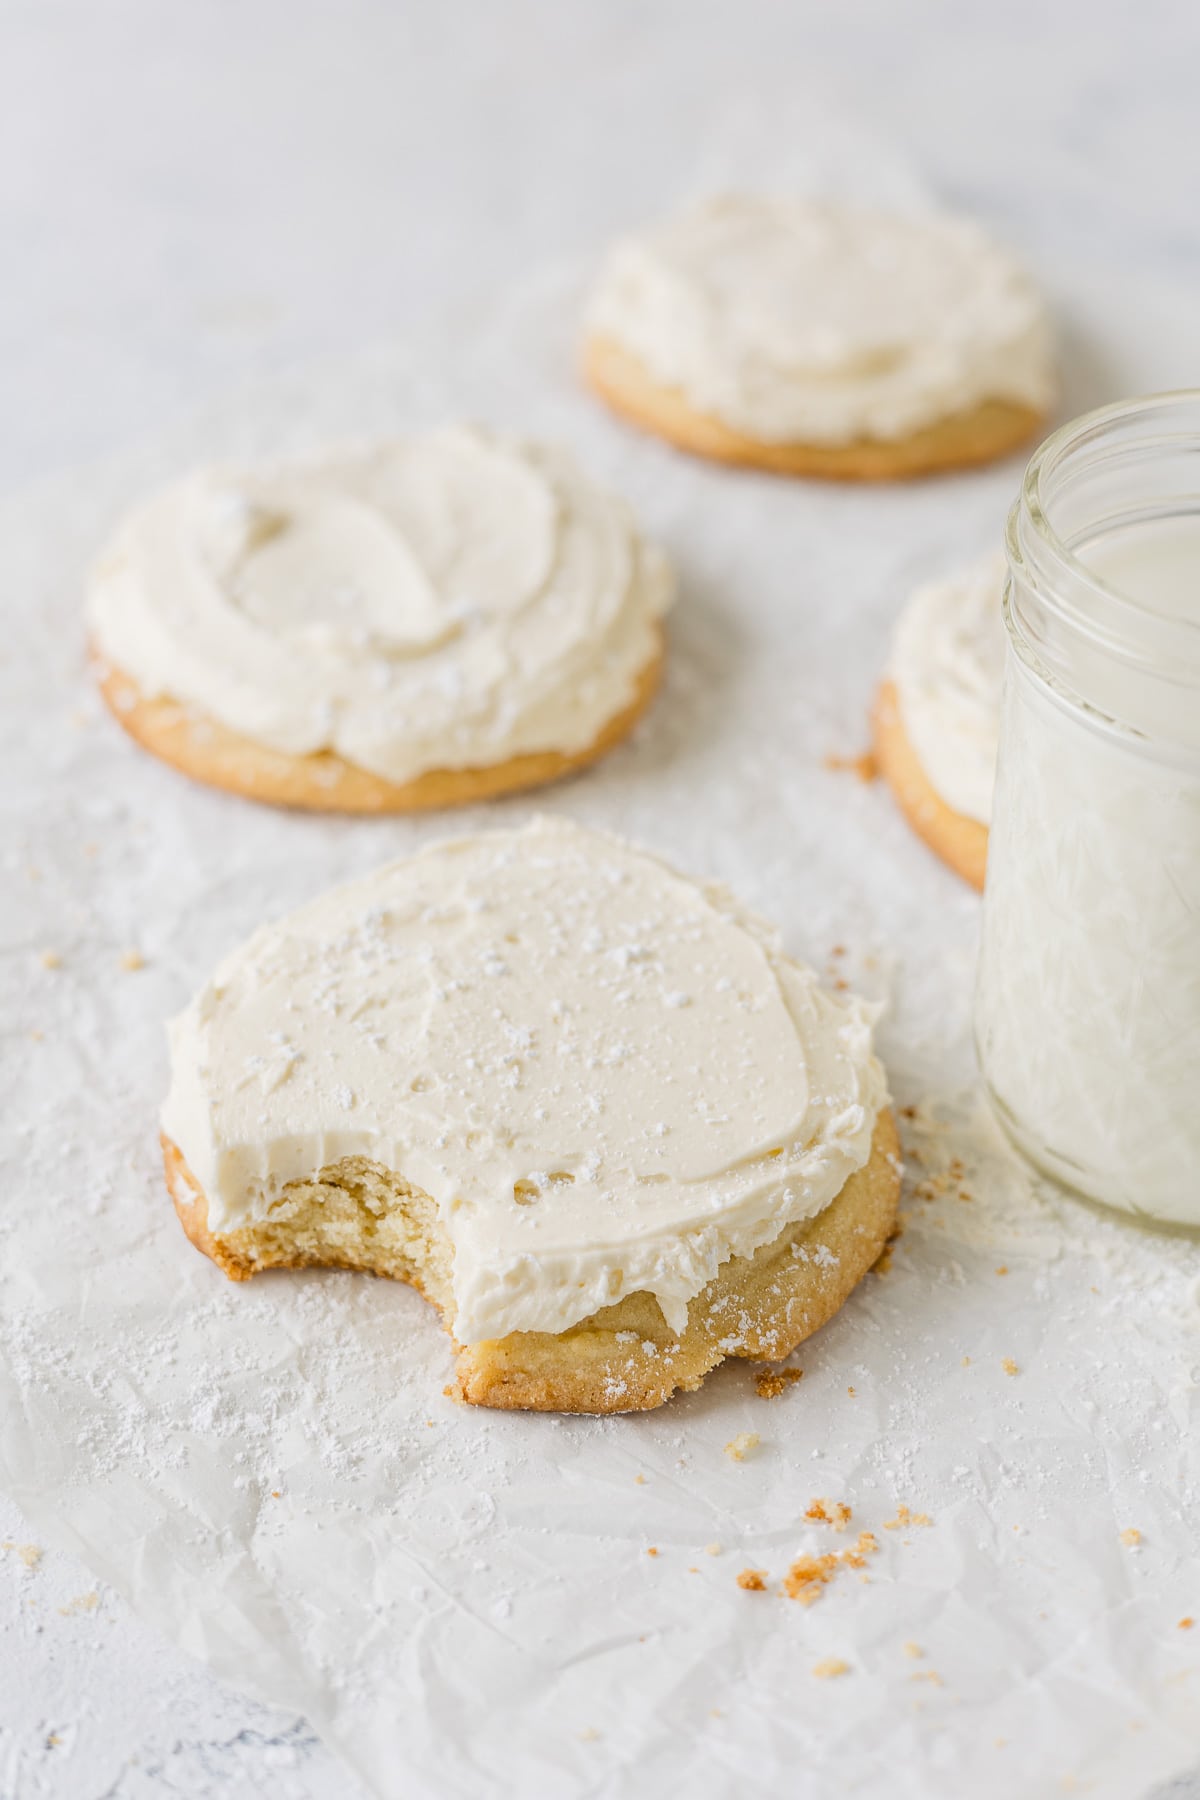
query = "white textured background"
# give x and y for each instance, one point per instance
(192, 196)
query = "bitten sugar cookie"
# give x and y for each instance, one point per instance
(418, 623)
(819, 339)
(937, 713)
(585, 1105)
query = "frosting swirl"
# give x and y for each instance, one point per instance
(798, 321)
(609, 1078)
(444, 601)
(947, 665)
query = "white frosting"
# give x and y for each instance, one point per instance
(947, 665)
(446, 601)
(798, 321)
(548, 1013)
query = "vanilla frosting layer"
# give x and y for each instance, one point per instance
(948, 669)
(798, 321)
(445, 601)
(609, 1078)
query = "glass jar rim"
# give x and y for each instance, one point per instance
(1130, 629)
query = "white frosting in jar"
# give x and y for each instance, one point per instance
(800, 321)
(443, 601)
(947, 665)
(608, 1077)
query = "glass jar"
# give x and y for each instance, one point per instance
(1087, 1007)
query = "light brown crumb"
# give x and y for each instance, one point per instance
(851, 1392)
(50, 959)
(1009, 1366)
(133, 960)
(966, 1362)
(829, 1512)
(926, 1675)
(1131, 1537)
(864, 765)
(82, 1603)
(30, 1554)
(753, 1580)
(829, 1667)
(589, 1735)
(641, 1480)
(651, 1549)
(1003, 1269)
(712, 1549)
(809, 1574)
(1185, 1624)
(911, 1649)
(769, 1382)
(739, 1448)
(905, 1516)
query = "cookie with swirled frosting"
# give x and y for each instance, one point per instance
(813, 338)
(937, 713)
(416, 623)
(589, 1107)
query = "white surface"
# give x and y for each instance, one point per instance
(189, 198)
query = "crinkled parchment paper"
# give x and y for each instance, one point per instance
(468, 1603)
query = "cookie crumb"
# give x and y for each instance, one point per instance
(1009, 1366)
(739, 1447)
(863, 765)
(50, 959)
(911, 1649)
(829, 1512)
(589, 1735)
(1131, 1537)
(1003, 1269)
(82, 1603)
(829, 1667)
(1186, 1623)
(133, 960)
(640, 1480)
(753, 1580)
(906, 1516)
(30, 1554)
(769, 1382)
(712, 1549)
(651, 1549)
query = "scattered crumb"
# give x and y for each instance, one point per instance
(809, 1574)
(275, 1494)
(851, 1392)
(589, 1735)
(829, 1512)
(651, 1549)
(906, 1516)
(740, 1447)
(753, 1580)
(83, 1603)
(769, 1382)
(1131, 1537)
(926, 1675)
(712, 1549)
(1186, 1624)
(838, 950)
(641, 1480)
(50, 959)
(911, 1649)
(1003, 1269)
(863, 765)
(133, 960)
(966, 1362)
(1009, 1366)
(30, 1554)
(829, 1667)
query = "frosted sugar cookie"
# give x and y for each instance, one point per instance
(818, 339)
(587, 1106)
(937, 713)
(421, 622)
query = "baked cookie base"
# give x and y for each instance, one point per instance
(960, 841)
(625, 1358)
(980, 435)
(199, 746)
